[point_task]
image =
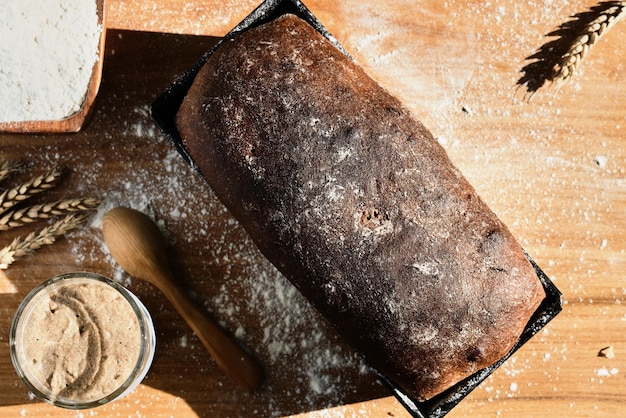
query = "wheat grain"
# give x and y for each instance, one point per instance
(589, 36)
(35, 240)
(35, 213)
(8, 167)
(38, 184)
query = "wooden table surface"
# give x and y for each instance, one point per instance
(553, 168)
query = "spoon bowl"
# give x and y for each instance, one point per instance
(139, 247)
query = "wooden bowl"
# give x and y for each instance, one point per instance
(74, 122)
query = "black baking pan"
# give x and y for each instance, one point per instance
(164, 110)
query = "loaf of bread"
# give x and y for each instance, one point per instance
(356, 203)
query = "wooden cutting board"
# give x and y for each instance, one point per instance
(552, 167)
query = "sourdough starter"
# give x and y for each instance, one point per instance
(82, 341)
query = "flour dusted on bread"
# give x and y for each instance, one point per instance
(356, 203)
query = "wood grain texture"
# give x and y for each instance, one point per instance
(553, 168)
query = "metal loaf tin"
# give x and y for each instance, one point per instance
(164, 110)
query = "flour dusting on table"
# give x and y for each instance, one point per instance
(291, 339)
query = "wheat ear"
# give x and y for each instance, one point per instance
(589, 36)
(35, 213)
(556, 61)
(38, 184)
(8, 167)
(35, 240)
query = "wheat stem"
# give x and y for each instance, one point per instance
(35, 213)
(38, 184)
(35, 240)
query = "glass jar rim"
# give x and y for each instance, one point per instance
(146, 349)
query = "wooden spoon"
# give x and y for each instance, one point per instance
(137, 245)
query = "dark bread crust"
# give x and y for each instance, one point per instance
(359, 206)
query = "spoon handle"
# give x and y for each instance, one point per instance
(234, 361)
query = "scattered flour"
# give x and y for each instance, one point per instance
(48, 50)
(598, 179)
(290, 338)
(604, 372)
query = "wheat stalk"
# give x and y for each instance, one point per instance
(8, 167)
(589, 36)
(35, 213)
(35, 240)
(38, 184)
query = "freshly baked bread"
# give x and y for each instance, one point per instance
(356, 203)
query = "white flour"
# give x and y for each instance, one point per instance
(47, 50)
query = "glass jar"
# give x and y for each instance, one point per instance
(80, 340)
